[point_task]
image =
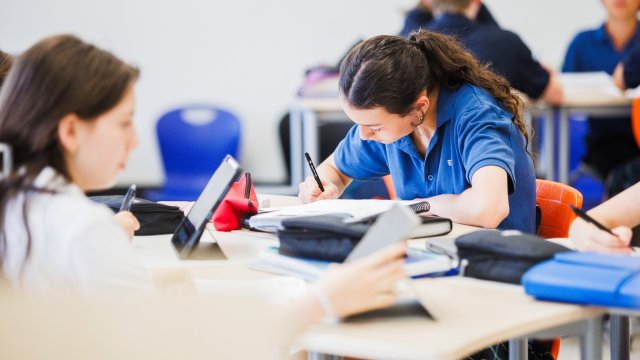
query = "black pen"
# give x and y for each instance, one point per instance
(583, 215)
(313, 171)
(128, 199)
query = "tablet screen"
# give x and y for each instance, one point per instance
(188, 233)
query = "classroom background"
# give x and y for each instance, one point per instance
(250, 56)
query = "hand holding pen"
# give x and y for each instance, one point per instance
(591, 235)
(313, 188)
(127, 201)
(125, 218)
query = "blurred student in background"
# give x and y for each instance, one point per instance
(420, 17)
(504, 51)
(610, 141)
(66, 111)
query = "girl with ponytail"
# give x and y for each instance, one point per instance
(445, 127)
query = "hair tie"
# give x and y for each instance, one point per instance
(419, 45)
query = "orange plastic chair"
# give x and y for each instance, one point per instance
(553, 199)
(635, 119)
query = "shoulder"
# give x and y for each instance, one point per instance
(585, 37)
(67, 214)
(471, 104)
(470, 97)
(418, 15)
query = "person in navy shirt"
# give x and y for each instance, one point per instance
(420, 17)
(502, 50)
(447, 130)
(610, 141)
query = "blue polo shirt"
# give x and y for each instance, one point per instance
(610, 140)
(502, 50)
(472, 131)
(593, 50)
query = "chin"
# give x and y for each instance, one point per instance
(102, 186)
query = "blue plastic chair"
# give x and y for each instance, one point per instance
(193, 141)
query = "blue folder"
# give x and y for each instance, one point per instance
(586, 278)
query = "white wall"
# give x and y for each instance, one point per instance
(248, 56)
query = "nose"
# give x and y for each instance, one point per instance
(135, 140)
(366, 133)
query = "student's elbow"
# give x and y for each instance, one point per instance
(553, 94)
(491, 216)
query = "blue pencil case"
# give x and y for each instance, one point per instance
(586, 278)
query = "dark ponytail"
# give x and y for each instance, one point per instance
(391, 71)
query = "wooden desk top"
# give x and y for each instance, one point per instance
(470, 315)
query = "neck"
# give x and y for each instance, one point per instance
(621, 31)
(424, 132)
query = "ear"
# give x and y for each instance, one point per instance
(422, 103)
(68, 133)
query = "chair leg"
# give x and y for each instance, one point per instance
(620, 339)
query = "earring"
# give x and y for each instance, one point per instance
(420, 119)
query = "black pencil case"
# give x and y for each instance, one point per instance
(324, 237)
(154, 218)
(503, 256)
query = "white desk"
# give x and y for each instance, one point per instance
(471, 314)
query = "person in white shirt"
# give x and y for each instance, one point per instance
(66, 113)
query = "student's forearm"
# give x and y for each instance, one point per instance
(622, 209)
(466, 209)
(328, 171)
(485, 203)
(553, 92)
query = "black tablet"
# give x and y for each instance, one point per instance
(187, 235)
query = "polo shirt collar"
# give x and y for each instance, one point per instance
(454, 20)
(602, 35)
(452, 24)
(444, 110)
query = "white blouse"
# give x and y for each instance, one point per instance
(76, 244)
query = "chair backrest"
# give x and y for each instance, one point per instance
(635, 119)
(553, 199)
(193, 141)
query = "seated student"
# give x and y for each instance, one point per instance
(620, 214)
(445, 128)
(610, 141)
(503, 50)
(420, 17)
(66, 110)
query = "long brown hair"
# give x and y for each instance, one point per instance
(391, 71)
(57, 76)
